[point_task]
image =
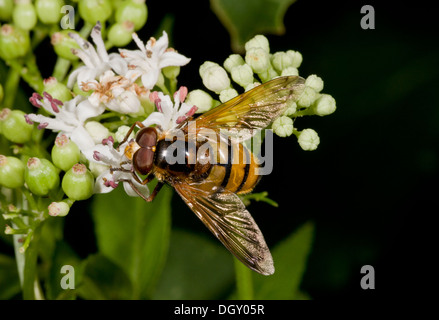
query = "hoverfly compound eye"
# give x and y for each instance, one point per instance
(147, 138)
(143, 160)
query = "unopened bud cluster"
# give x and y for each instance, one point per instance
(258, 66)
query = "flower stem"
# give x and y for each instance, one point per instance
(19, 257)
(244, 282)
(61, 68)
(86, 30)
(11, 87)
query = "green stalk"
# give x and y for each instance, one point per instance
(19, 257)
(61, 68)
(11, 86)
(244, 282)
(31, 291)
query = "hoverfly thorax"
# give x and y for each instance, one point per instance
(141, 151)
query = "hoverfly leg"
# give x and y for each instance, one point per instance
(151, 196)
(136, 190)
(121, 168)
(183, 123)
(137, 123)
(157, 188)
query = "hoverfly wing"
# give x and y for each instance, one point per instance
(256, 109)
(226, 217)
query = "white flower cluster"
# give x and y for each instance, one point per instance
(116, 82)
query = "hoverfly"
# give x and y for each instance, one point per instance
(211, 188)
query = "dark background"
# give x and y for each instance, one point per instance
(371, 184)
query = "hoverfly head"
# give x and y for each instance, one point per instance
(142, 150)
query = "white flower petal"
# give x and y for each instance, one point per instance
(173, 59)
(100, 186)
(149, 79)
(86, 110)
(86, 75)
(161, 44)
(142, 188)
(157, 118)
(118, 64)
(83, 140)
(52, 123)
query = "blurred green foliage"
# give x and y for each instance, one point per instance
(246, 18)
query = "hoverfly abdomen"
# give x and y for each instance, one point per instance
(231, 167)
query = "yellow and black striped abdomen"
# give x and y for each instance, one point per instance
(234, 170)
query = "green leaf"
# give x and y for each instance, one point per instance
(101, 279)
(134, 235)
(62, 255)
(290, 258)
(246, 18)
(9, 282)
(197, 268)
(261, 196)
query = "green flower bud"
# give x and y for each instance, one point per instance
(160, 81)
(232, 61)
(258, 41)
(308, 139)
(97, 131)
(296, 57)
(78, 91)
(63, 44)
(314, 82)
(11, 172)
(291, 108)
(206, 65)
(242, 75)
(201, 99)
(14, 42)
(214, 77)
(93, 11)
(290, 71)
(227, 94)
(78, 182)
(267, 75)
(58, 209)
(283, 126)
(14, 126)
(97, 168)
(324, 105)
(147, 105)
(171, 72)
(41, 176)
(135, 11)
(281, 60)
(24, 15)
(57, 90)
(258, 59)
(6, 8)
(307, 98)
(252, 86)
(49, 11)
(122, 132)
(120, 33)
(65, 153)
